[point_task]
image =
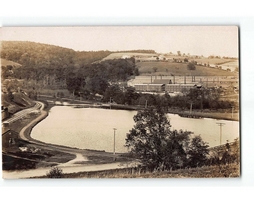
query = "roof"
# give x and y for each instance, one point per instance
(149, 84)
(161, 81)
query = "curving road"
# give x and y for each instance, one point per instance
(71, 166)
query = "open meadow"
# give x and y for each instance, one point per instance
(168, 68)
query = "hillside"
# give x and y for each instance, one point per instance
(16, 101)
(127, 55)
(38, 55)
(168, 68)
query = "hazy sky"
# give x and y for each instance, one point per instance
(200, 40)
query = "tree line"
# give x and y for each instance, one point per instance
(194, 98)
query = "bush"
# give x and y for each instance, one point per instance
(55, 172)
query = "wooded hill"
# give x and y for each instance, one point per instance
(38, 55)
(53, 67)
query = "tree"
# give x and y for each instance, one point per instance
(114, 92)
(130, 95)
(55, 172)
(74, 83)
(155, 69)
(152, 141)
(179, 53)
(191, 66)
(198, 151)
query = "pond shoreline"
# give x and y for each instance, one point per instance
(183, 113)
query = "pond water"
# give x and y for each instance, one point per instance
(92, 128)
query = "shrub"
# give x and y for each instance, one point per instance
(55, 172)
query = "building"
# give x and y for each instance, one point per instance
(5, 112)
(149, 87)
(9, 137)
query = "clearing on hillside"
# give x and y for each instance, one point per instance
(168, 68)
(127, 55)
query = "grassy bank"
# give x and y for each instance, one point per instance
(214, 115)
(222, 171)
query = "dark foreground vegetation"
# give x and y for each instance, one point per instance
(219, 171)
(152, 141)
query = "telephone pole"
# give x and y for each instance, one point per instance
(220, 124)
(114, 150)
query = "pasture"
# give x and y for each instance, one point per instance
(131, 54)
(215, 61)
(168, 68)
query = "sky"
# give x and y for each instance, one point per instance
(195, 40)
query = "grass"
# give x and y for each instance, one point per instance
(119, 55)
(168, 68)
(214, 61)
(219, 114)
(34, 157)
(222, 171)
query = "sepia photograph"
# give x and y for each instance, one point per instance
(120, 102)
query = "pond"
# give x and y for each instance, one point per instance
(92, 128)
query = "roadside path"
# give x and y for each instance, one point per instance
(67, 169)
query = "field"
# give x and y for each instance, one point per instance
(119, 55)
(168, 68)
(215, 61)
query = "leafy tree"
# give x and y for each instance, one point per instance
(130, 95)
(74, 83)
(152, 141)
(198, 151)
(235, 151)
(114, 92)
(191, 66)
(155, 69)
(148, 136)
(96, 84)
(136, 72)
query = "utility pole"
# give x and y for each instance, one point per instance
(232, 111)
(146, 104)
(220, 124)
(191, 107)
(114, 150)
